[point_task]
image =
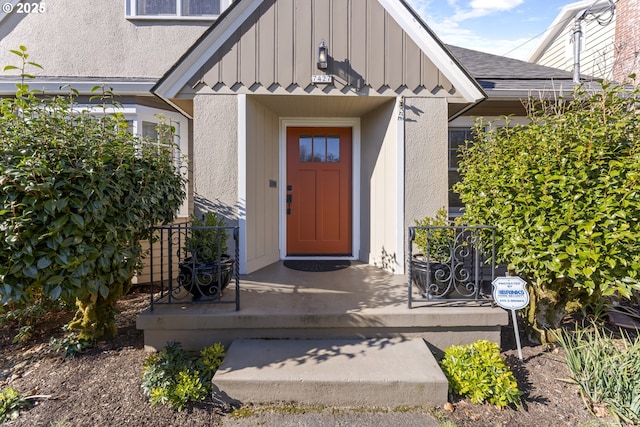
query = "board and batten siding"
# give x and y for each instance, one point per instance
(262, 186)
(275, 51)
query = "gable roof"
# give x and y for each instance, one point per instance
(504, 77)
(172, 83)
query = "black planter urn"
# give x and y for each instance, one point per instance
(205, 279)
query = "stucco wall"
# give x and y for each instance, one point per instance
(426, 157)
(262, 186)
(93, 38)
(379, 222)
(215, 155)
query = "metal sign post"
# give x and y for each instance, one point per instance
(510, 293)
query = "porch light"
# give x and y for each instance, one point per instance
(323, 54)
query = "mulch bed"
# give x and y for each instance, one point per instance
(102, 386)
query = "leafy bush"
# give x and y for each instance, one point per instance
(11, 402)
(70, 345)
(176, 377)
(478, 371)
(606, 370)
(207, 244)
(436, 242)
(23, 317)
(563, 195)
(78, 194)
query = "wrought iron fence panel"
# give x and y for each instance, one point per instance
(454, 263)
(194, 264)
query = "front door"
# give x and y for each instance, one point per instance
(318, 191)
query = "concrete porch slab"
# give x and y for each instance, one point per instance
(361, 302)
(376, 372)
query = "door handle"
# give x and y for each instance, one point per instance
(289, 200)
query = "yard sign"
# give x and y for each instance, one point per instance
(510, 293)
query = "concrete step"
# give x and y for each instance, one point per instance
(383, 372)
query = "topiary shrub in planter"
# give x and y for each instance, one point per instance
(207, 269)
(478, 371)
(429, 269)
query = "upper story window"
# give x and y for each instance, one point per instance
(175, 9)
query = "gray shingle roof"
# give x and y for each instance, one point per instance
(506, 77)
(483, 65)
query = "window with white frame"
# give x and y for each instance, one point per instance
(153, 126)
(457, 140)
(175, 9)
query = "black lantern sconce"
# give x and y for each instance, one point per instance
(323, 55)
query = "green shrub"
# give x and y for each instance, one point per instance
(562, 192)
(11, 402)
(177, 377)
(78, 193)
(436, 242)
(207, 244)
(70, 345)
(478, 371)
(606, 370)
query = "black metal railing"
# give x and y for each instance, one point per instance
(192, 264)
(453, 262)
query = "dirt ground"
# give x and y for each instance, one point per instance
(101, 387)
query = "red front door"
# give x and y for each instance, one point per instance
(318, 191)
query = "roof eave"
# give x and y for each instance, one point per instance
(437, 52)
(227, 23)
(170, 85)
(58, 86)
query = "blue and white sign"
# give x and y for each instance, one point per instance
(510, 292)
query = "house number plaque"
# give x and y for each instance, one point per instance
(322, 78)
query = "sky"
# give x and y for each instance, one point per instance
(502, 27)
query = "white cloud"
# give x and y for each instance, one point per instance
(479, 8)
(495, 5)
(451, 29)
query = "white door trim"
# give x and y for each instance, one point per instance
(354, 124)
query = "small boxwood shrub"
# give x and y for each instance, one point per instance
(478, 371)
(177, 377)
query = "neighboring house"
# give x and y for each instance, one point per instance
(627, 39)
(610, 40)
(310, 156)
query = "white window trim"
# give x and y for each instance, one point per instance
(130, 11)
(140, 113)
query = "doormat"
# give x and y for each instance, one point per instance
(317, 265)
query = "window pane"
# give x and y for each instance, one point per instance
(333, 149)
(156, 7)
(457, 140)
(130, 126)
(200, 7)
(149, 131)
(319, 149)
(306, 148)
